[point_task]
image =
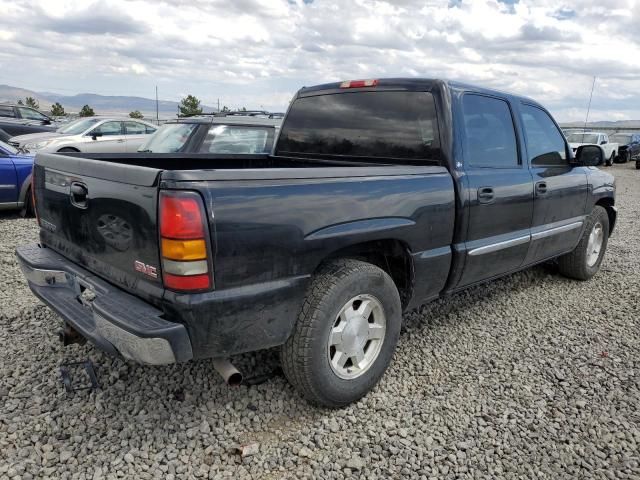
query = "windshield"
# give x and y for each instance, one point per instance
(582, 138)
(8, 148)
(621, 139)
(238, 139)
(78, 126)
(169, 138)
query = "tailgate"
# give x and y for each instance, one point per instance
(102, 216)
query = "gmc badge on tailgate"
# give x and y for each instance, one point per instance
(148, 270)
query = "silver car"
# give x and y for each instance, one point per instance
(92, 134)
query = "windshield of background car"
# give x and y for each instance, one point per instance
(78, 126)
(169, 138)
(394, 125)
(620, 139)
(238, 139)
(582, 138)
(8, 148)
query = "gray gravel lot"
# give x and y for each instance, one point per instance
(532, 376)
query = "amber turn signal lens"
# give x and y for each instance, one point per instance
(184, 249)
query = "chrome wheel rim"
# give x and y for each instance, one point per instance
(594, 245)
(356, 337)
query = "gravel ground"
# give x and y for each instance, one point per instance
(532, 376)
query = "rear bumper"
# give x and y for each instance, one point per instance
(116, 322)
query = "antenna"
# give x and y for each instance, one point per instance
(157, 119)
(588, 108)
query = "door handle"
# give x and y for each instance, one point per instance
(541, 188)
(485, 194)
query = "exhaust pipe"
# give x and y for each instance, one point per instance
(69, 335)
(225, 368)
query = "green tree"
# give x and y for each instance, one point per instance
(225, 109)
(20, 102)
(87, 111)
(57, 110)
(31, 102)
(243, 109)
(190, 105)
(136, 114)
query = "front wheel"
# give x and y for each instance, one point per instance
(584, 261)
(345, 335)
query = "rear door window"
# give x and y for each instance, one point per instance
(134, 128)
(490, 137)
(393, 125)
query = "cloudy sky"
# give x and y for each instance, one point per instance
(259, 52)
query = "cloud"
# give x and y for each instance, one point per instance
(259, 52)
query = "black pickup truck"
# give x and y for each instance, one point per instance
(381, 195)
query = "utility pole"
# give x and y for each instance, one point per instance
(588, 108)
(157, 114)
(218, 105)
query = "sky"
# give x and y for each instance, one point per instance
(257, 53)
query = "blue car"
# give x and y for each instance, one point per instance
(15, 180)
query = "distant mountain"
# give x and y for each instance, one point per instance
(101, 104)
(603, 123)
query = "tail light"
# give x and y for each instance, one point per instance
(183, 242)
(358, 83)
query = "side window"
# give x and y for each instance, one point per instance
(545, 143)
(149, 129)
(7, 112)
(31, 114)
(108, 128)
(237, 139)
(490, 137)
(134, 128)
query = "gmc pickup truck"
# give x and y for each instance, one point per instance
(380, 195)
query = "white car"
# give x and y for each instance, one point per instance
(601, 139)
(91, 134)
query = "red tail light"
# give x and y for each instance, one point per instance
(183, 242)
(359, 83)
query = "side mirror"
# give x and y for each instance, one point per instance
(95, 135)
(589, 156)
(603, 142)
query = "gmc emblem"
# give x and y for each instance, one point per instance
(148, 270)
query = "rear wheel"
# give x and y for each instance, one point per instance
(609, 162)
(346, 334)
(584, 261)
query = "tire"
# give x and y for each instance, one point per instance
(27, 208)
(309, 359)
(609, 162)
(625, 157)
(637, 164)
(581, 264)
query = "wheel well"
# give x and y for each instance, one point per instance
(392, 256)
(68, 149)
(607, 204)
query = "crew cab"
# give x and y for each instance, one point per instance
(381, 195)
(609, 149)
(15, 180)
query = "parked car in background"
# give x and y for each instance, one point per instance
(381, 195)
(21, 112)
(215, 134)
(92, 134)
(628, 146)
(15, 179)
(4, 136)
(610, 149)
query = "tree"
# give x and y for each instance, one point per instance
(87, 111)
(31, 102)
(20, 102)
(225, 109)
(136, 114)
(190, 105)
(57, 110)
